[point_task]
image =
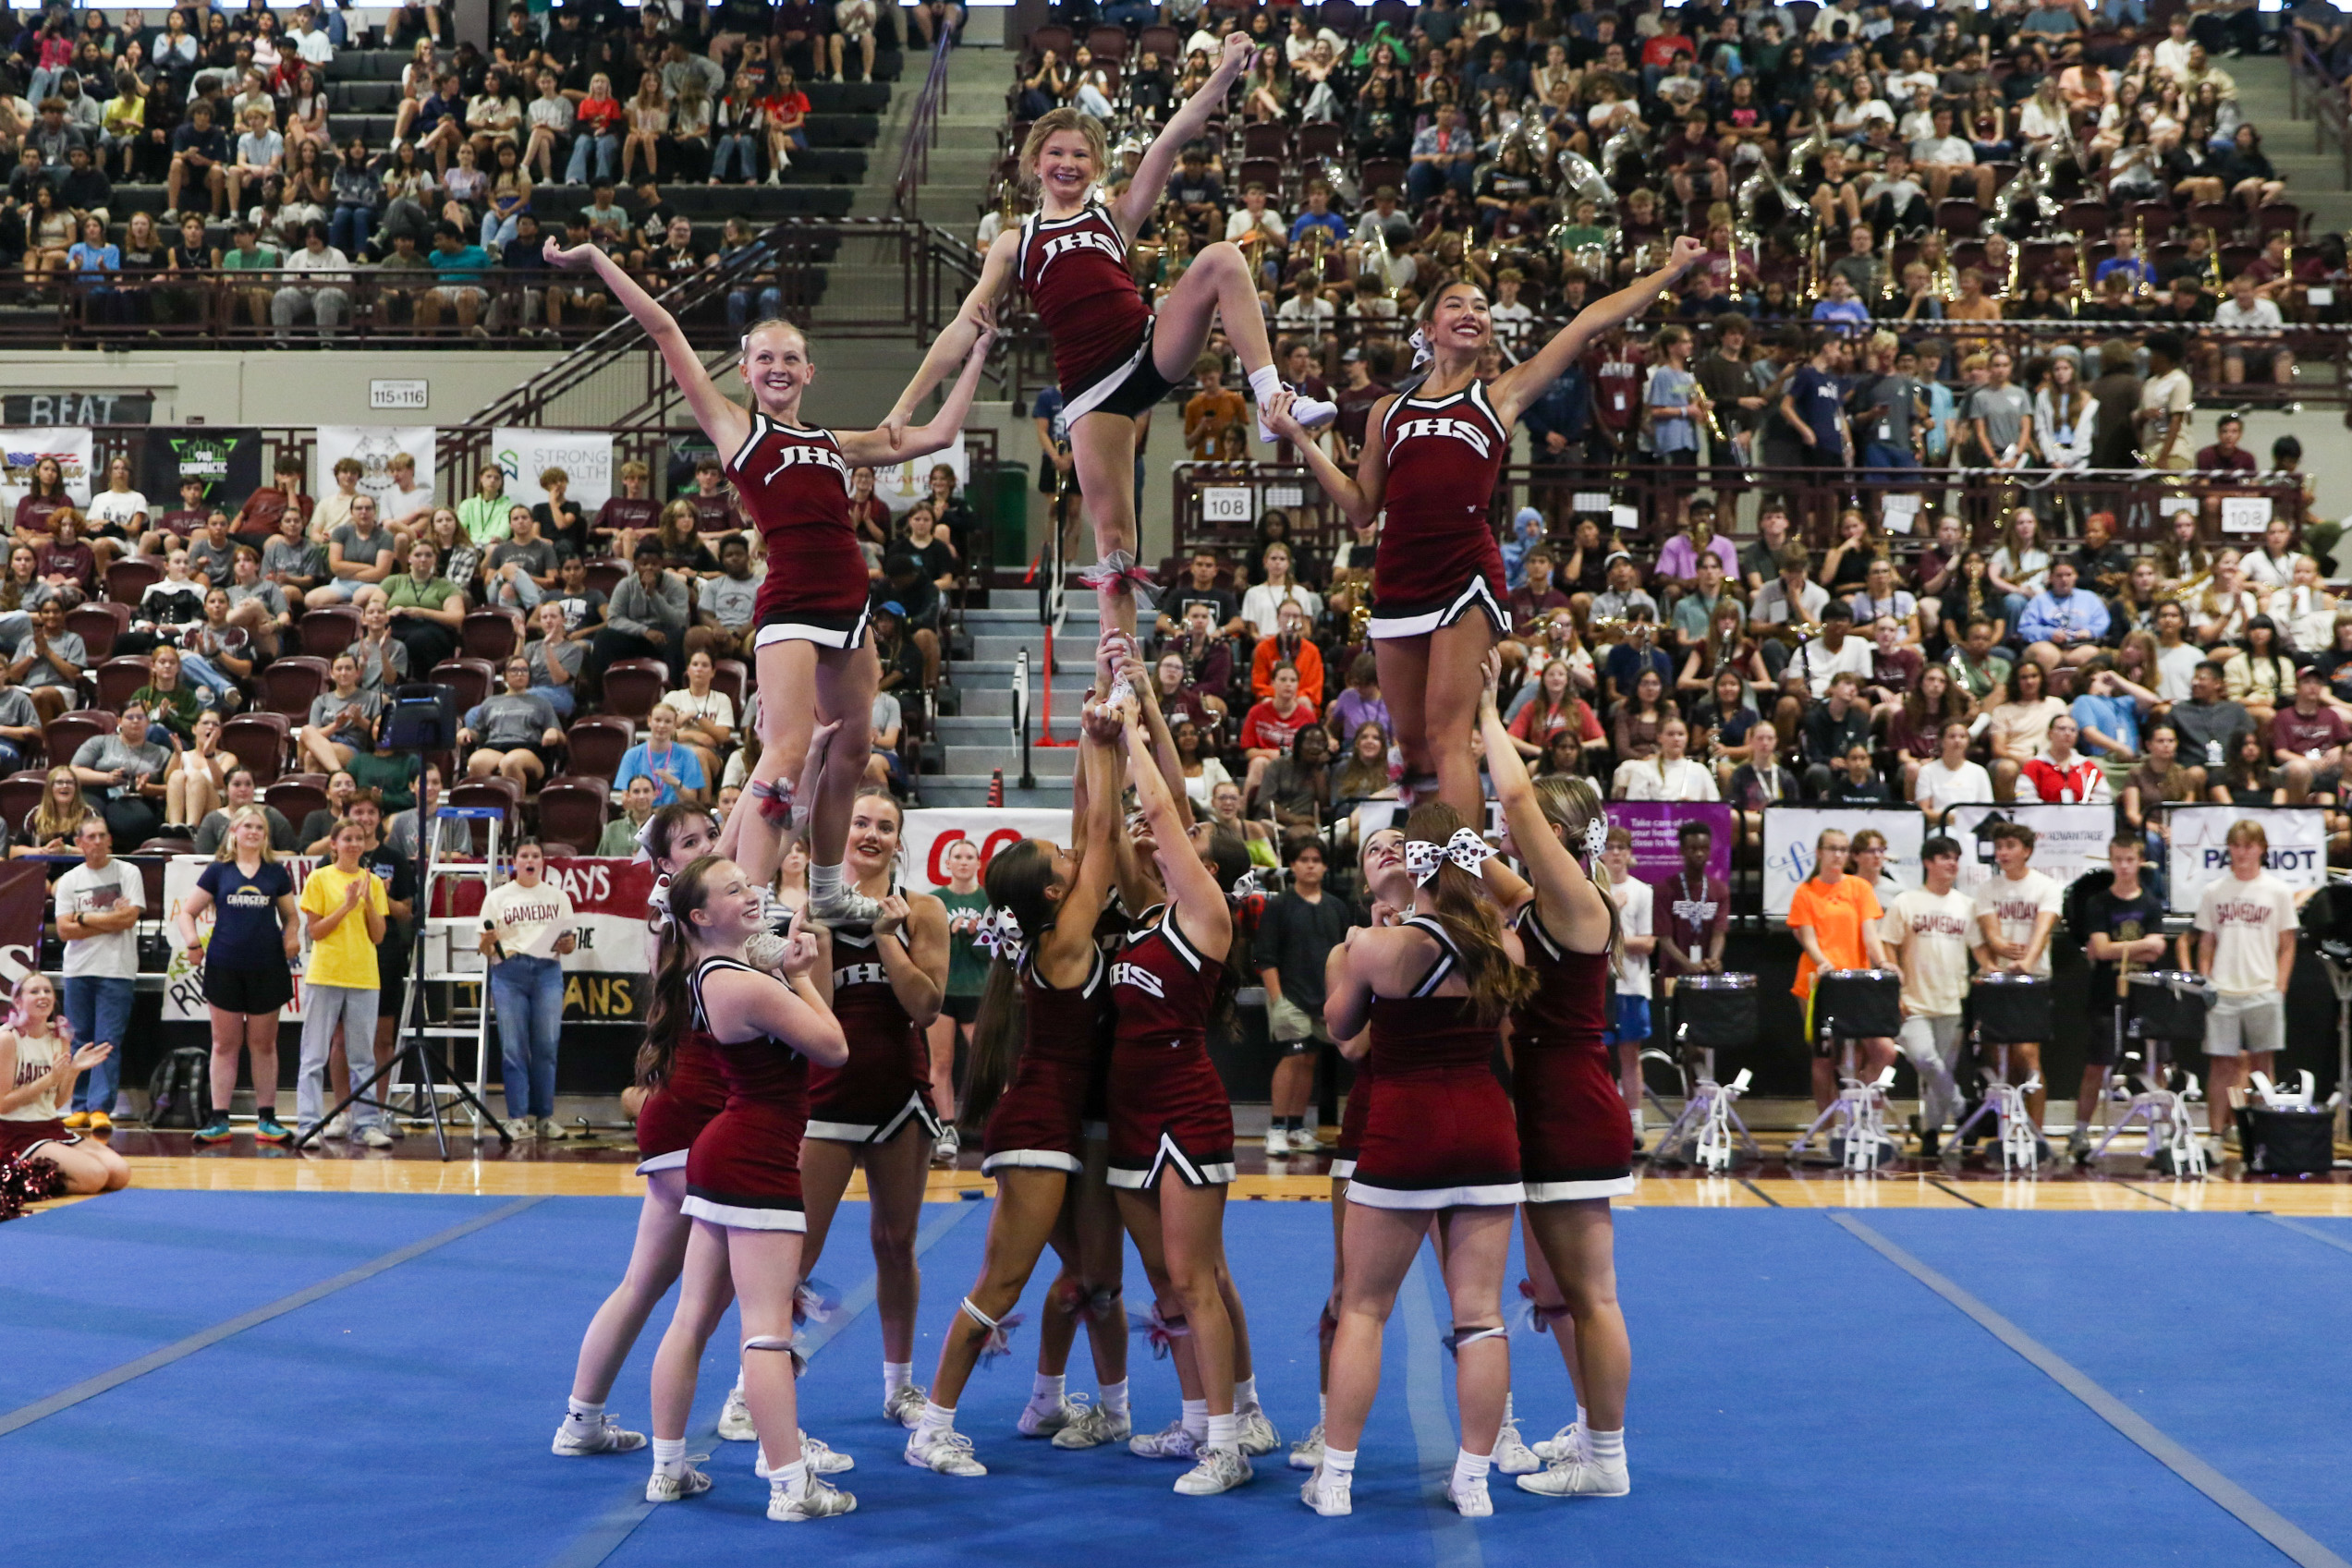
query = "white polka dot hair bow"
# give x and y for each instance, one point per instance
(1596, 835)
(1466, 849)
(1000, 937)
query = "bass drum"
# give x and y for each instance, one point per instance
(1716, 1012)
(2013, 1009)
(1859, 1004)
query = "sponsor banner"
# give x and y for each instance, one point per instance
(2068, 840)
(2298, 855)
(924, 838)
(24, 900)
(78, 408)
(900, 485)
(183, 977)
(20, 448)
(226, 459)
(585, 455)
(1656, 826)
(375, 447)
(1790, 832)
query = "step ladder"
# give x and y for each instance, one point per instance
(442, 944)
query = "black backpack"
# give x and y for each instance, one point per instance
(175, 1090)
(2075, 911)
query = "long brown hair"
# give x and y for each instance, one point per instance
(672, 1013)
(1017, 881)
(1460, 908)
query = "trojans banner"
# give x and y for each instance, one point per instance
(924, 839)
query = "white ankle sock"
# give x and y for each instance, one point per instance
(1196, 1418)
(791, 1478)
(1608, 1448)
(1470, 1467)
(935, 1418)
(1584, 1422)
(1114, 1397)
(895, 1375)
(669, 1454)
(1244, 1395)
(1323, 1407)
(823, 881)
(585, 1413)
(1045, 1394)
(1265, 382)
(1339, 1461)
(738, 1377)
(1221, 1430)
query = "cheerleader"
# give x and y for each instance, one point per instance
(794, 484)
(1428, 995)
(1438, 586)
(1051, 981)
(1308, 1452)
(38, 1067)
(1114, 355)
(743, 1175)
(874, 1109)
(1576, 1141)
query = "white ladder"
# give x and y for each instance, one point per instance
(454, 1028)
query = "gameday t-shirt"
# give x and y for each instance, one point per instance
(2015, 904)
(2245, 918)
(1935, 933)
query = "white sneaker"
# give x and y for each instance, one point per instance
(1094, 1426)
(1565, 1443)
(1255, 1435)
(813, 1500)
(1578, 1477)
(1311, 413)
(574, 1441)
(1219, 1470)
(947, 1146)
(520, 1128)
(1278, 1142)
(904, 1407)
(553, 1131)
(674, 1486)
(845, 907)
(338, 1127)
(1512, 1455)
(1308, 1454)
(735, 1419)
(1327, 1492)
(375, 1137)
(1470, 1500)
(823, 1457)
(948, 1452)
(1171, 1441)
(1036, 1423)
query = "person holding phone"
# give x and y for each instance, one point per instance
(526, 929)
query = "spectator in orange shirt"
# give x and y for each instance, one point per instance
(1834, 918)
(1211, 412)
(1291, 646)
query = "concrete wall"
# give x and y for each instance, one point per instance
(246, 387)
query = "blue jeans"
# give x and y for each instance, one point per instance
(527, 994)
(738, 305)
(98, 1006)
(608, 157)
(348, 230)
(1886, 454)
(559, 697)
(499, 231)
(198, 672)
(737, 146)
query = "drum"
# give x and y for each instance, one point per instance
(2013, 1009)
(2168, 1004)
(1715, 1011)
(1858, 1003)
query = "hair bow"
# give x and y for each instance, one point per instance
(1466, 849)
(1596, 835)
(657, 906)
(645, 843)
(1120, 567)
(1246, 886)
(1418, 344)
(1000, 936)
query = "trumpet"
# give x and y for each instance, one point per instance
(1795, 632)
(1359, 619)
(2214, 257)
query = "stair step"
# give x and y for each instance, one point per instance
(972, 790)
(1044, 761)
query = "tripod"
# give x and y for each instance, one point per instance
(1708, 1120)
(2022, 1146)
(1860, 1143)
(412, 1047)
(2172, 1145)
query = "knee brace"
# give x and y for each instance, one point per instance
(779, 1342)
(1539, 1317)
(1462, 1337)
(1328, 1324)
(996, 1334)
(1100, 1300)
(1161, 1330)
(813, 1302)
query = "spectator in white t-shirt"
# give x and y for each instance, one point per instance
(1630, 1013)
(2244, 312)
(2017, 910)
(1669, 775)
(99, 904)
(2245, 928)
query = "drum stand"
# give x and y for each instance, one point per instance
(2022, 1147)
(1706, 1118)
(2174, 1146)
(1860, 1141)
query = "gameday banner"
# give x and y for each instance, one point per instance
(20, 449)
(1790, 832)
(2068, 840)
(586, 457)
(2298, 855)
(925, 835)
(226, 459)
(374, 446)
(1656, 826)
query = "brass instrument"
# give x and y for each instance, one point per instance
(2017, 261)
(1795, 632)
(2082, 271)
(2142, 287)
(1722, 648)
(2214, 259)
(1359, 621)
(1886, 268)
(2188, 589)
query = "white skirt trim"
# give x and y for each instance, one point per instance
(1571, 1192)
(673, 1161)
(1033, 1159)
(1499, 1194)
(739, 1219)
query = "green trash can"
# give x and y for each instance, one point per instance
(1008, 501)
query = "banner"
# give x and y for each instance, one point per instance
(1656, 826)
(1790, 832)
(2298, 855)
(183, 978)
(924, 836)
(226, 459)
(900, 485)
(24, 898)
(585, 455)
(374, 446)
(2068, 840)
(21, 448)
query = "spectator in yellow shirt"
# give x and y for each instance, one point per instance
(344, 909)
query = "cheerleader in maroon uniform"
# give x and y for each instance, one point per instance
(1428, 995)
(874, 1109)
(38, 1067)
(1576, 1143)
(742, 1176)
(1431, 461)
(816, 671)
(1051, 982)
(1113, 355)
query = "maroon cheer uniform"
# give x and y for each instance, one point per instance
(1575, 1138)
(794, 486)
(1041, 1119)
(1076, 272)
(1437, 560)
(1168, 1107)
(1439, 1133)
(1351, 1123)
(681, 1105)
(887, 1082)
(744, 1169)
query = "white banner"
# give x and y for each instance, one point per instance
(924, 839)
(1790, 832)
(373, 447)
(2068, 840)
(900, 485)
(20, 449)
(183, 980)
(585, 455)
(2298, 857)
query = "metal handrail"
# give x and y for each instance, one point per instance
(2311, 86)
(922, 134)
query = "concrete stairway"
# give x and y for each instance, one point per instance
(980, 739)
(2314, 181)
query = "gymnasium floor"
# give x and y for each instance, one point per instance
(365, 1360)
